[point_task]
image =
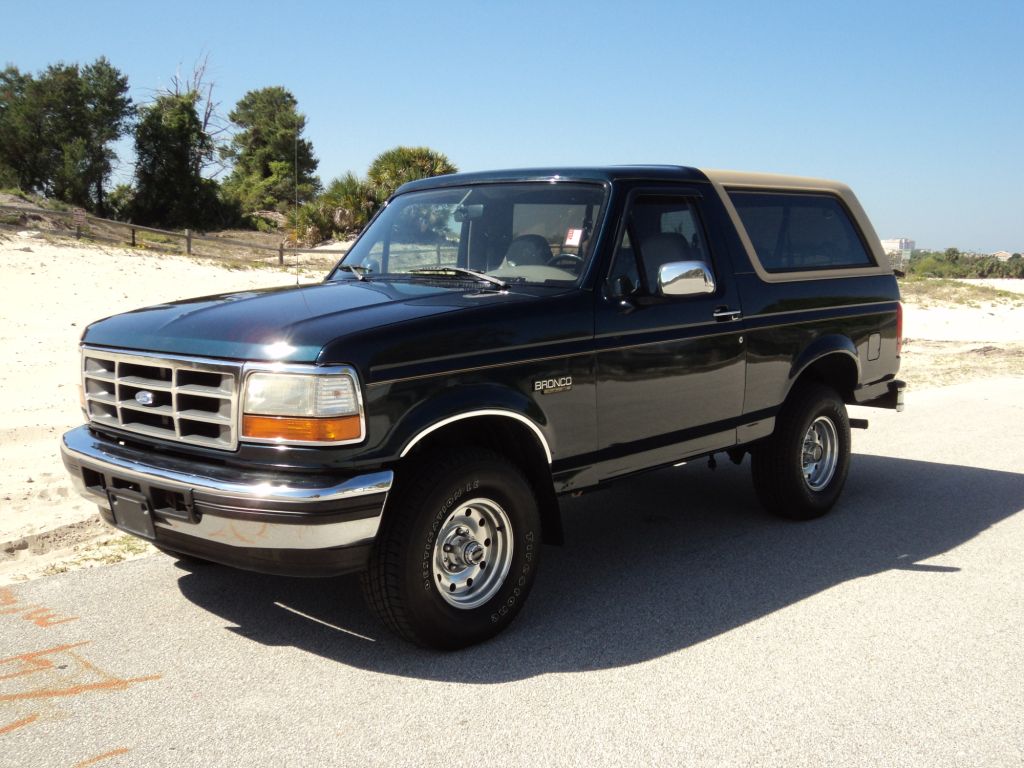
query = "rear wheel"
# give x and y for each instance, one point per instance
(457, 551)
(800, 470)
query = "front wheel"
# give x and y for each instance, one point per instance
(457, 551)
(800, 470)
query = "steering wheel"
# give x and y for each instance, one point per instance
(566, 261)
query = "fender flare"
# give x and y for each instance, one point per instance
(461, 403)
(819, 349)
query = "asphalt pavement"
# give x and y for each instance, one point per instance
(679, 625)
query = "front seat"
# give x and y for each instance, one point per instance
(528, 250)
(659, 249)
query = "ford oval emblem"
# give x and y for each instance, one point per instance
(144, 397)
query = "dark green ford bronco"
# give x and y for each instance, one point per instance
(491, 342)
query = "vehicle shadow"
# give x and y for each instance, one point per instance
(651, 566)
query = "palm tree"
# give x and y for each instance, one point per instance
(393, 168)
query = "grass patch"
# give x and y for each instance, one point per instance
(105, 551)
(38, 201)
(153, 237)
(931, 291)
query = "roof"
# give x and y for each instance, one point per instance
(609, 173)
(751, 179)
(599, 174)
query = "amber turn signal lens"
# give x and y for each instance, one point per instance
(289, 430)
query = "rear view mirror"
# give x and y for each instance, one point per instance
(468, 212)
(685, 278)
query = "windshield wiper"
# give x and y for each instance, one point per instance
(460, 272)
(356, 269)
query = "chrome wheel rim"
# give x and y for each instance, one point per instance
(820, 453)
(473, 553)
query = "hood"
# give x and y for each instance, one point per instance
(289, 324)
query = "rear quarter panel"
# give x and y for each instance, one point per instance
(785, 319)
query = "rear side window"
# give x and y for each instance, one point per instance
(797, 232)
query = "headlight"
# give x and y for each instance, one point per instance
(293, 407)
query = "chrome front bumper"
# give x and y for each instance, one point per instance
(278, 522)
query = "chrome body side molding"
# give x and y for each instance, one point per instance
(473, 414)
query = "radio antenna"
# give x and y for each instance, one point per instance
(296, 200)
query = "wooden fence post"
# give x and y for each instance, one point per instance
(133, 237)
(280, 253)
(78, 214)
(188, 241)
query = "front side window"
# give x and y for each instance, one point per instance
(794, 232)
(518, 233)
(658, 230)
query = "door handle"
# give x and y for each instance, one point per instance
(724, 313)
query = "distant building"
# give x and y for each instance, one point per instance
(898, 244)
(1002, 255)
(899, 250)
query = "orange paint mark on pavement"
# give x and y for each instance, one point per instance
(39, 615)
(33, 661)
(37, 661)
(15, 610)
(44, 617)
(50, 674)
(104, 756)
(5, 729)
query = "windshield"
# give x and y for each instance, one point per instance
(519, 233)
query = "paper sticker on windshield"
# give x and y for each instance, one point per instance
(573, 236)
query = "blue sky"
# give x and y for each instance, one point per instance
(918, 106)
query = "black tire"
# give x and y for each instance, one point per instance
(430, 506)
(779, 462)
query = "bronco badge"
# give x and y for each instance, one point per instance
(551, 386)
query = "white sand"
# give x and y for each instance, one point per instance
(1001, 283)
(993, 322)
(996, 324)
(50, 293)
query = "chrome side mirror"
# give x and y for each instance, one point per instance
(685, 278)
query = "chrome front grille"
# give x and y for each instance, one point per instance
(181, 399)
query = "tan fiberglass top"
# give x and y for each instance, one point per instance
(723, 181)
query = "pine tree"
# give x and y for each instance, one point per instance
(272, 162)
(171, 148)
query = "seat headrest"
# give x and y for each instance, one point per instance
(662, 248)
(528, 250)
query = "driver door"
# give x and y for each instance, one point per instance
(670, 369)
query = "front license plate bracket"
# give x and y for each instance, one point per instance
(132, 512)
